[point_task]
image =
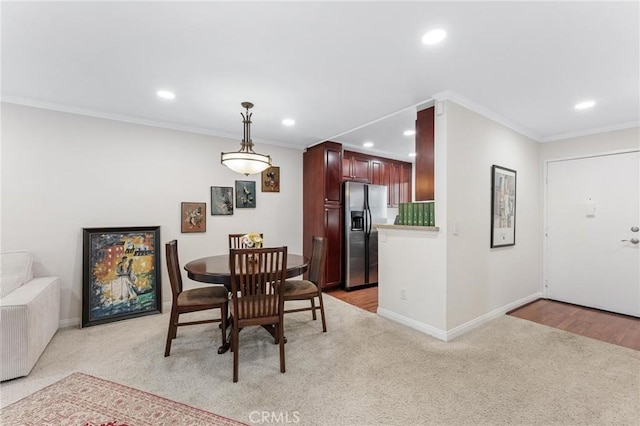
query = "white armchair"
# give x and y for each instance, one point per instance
(29, 314)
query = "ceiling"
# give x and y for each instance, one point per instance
(345, 71)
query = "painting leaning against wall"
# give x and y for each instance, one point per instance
(121, 274)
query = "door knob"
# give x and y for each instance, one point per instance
(635, 229)
(633, 240)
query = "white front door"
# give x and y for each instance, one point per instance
(593, 204)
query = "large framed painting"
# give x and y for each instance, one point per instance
(271, 179)
(245, 194)
(221, 200)
(503, 207)
(121, 274)
(193, 217)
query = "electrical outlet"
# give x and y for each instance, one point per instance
(403, 294)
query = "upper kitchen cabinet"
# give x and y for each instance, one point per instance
(377, 169)
(322, 175)
(398, 180)
(425, 143)
(356, 167)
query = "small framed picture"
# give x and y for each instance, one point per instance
(194, 217)
(245, 194)
(271, 179)
(503, 207)
(221, 200)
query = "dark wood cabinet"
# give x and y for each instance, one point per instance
(405, 182)
(332, 175)
(356, 167)
(425, 144)
(322, 205)
(396, 175)
(377, 169)
(398, 181)
(333, 219)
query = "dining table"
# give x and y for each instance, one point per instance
(215, 270)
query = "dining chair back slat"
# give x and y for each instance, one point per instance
(257, 287)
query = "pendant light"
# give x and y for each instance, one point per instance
(246, 161)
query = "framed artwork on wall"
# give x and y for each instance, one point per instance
(245, 194)
(121, 274)
(271, 179)
(503, 206)
(193, 217)
(221, 200)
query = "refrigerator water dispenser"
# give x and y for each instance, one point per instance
(357, 220)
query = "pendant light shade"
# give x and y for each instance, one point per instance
(246, 161)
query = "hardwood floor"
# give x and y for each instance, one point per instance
(364, 298)
(608, 327)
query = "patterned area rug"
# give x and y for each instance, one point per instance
(83, 400)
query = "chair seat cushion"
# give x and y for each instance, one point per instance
(294, 288)
(210, 295)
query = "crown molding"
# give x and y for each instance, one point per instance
(486, 112)
(132, 120)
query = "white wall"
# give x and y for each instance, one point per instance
(454, 281)
(600, 143)
(481, 280)
(414, 263)
(62, 172)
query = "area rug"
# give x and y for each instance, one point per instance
(83, 400)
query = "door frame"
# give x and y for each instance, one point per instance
(545, 244)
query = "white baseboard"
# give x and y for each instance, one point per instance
(482, 319)
(420, 326)
(461, 329)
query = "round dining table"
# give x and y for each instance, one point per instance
(215, 269)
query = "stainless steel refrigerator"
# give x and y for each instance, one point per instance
(364, 206)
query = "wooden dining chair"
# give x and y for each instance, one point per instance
(257, 276)
(235, 240)
(193, 300)
(311, 288)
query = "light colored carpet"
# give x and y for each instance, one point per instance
(366, 370)
(81, 399)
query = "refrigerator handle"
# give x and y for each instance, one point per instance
(367, 212)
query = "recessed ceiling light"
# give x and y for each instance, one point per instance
(165, 94)
(412, 154)
(409, 132)
(288, 122)
(367, 144)
(434, 36)
(585, 105)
